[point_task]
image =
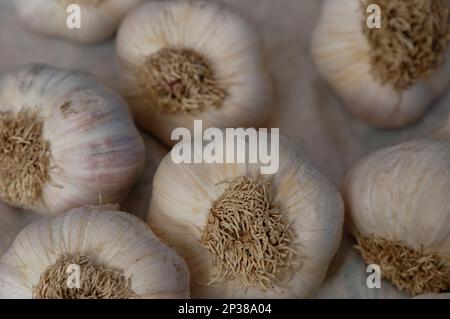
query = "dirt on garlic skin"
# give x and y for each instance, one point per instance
(411, 42)
(180, 81)
(247, 237)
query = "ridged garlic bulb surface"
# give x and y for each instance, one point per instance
(387, 77)
(65, 141)
(247, 235)
(99, 18)
(118, 257)
(398, 205)
(186, 60)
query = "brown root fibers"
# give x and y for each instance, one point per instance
(415, 271)
(411, 42)
(96, 281)
(24, 158)
(180, 81)
(247, 237)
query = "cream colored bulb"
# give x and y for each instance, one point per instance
(65, 141)
(91, 253)
(98, 19)
(186, 60)
(398, 205)
(387, 76)
(247, 235)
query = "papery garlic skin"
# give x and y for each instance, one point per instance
(230, 46)
(402, 194)
(341, 50)
(99, 18)
(96, 153)
(182, 198)
(115, 239)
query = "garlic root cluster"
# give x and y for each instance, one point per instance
(247, 235)
(65, 141)
(117, 256)
(186, 60)
(387, 76)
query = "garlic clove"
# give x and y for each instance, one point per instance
(398, 207)
(110, 239)
(99, 18)
(342, 54)
(184, 195)
(227, 83)
(84, 142)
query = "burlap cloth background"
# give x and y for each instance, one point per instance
(307, 111)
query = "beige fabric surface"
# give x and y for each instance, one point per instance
(307, 111)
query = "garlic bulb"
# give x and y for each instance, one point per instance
(244, 234)
(99, 19)
(387, 76)
(186, 60)
(398, 204)
(91, 253)
(65, 141)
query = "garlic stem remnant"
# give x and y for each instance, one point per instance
(96, 281)
(24, 158)
(411, 42)
(416, 271)
(180, 81)
(247, 236)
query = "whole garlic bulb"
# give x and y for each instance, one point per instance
(389, 76)
(186, 60)
(247, 235)
(99, 18)
(104, 253)
(398, 204)
(65, 141)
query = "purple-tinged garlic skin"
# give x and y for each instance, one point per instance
(89, 150)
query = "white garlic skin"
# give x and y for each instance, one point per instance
(402, 193)
(183, 195)
(97, 153)
(231, 45)
(341, 53)
(111, 238)
(98, 22)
